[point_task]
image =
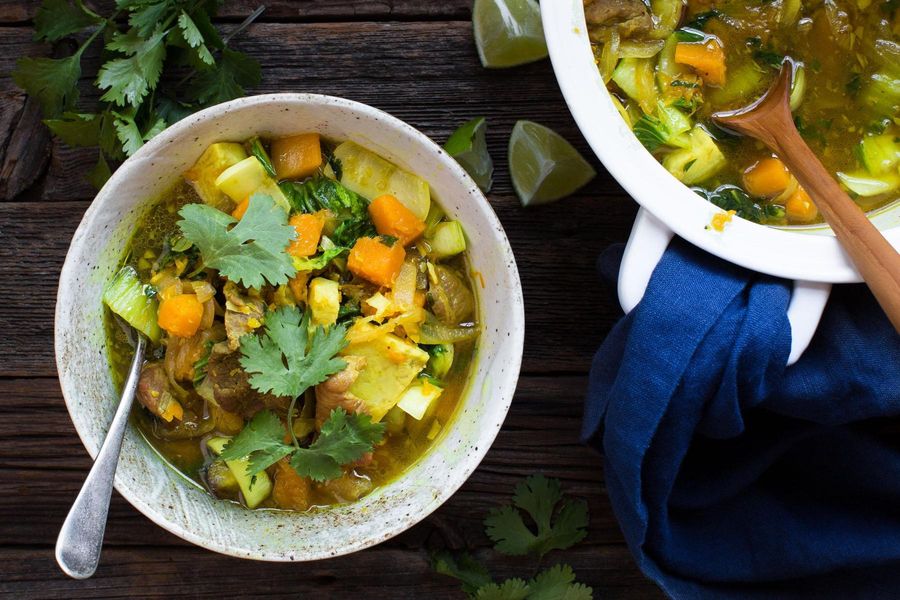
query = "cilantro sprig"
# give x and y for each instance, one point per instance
(251, 252)
(155, 38)
(542, 499)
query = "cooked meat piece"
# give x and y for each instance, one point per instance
(231, 385)
(154, 393)
(630, 16)
(291, 491)
(335, 391)
(243, 313)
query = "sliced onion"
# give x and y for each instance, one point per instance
(632, 49)
(434, 332)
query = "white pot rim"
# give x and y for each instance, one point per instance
(794, 253)
(499, 386)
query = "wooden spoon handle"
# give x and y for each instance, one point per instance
(877, 261)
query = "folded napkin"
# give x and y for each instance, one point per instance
(734, 476)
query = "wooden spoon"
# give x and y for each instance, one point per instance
(770, 121)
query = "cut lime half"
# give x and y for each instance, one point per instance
(544, 167)
(468, 146)
(508, 32)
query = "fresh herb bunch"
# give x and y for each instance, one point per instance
(143, 42)
(560, 523)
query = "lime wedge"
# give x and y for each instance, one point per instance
(468, 146)
(508, 32)
(544, 167)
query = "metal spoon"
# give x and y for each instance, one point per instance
(81, 537)
(770, 121)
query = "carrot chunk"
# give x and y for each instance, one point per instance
(180, 315)
(240, 209)
(800, 208)
(297, 156)
(708, 59)
(392, 218)
(375, 261)
(769, 177)
(309, 232)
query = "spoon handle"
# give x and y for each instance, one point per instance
(81, 537)
(877, 261)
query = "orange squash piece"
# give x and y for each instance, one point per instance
(180, 315)
(769, 177)
(392, 218)
(800, 208)
(309, 232)
(375, 261)
(240, 209)
(297, 156)
(707, 59)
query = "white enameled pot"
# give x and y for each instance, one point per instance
(176, 503)
(811, 256)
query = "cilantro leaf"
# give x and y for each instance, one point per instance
(56, 19)
(558, 583)
(343, 439)
(262, 440)
(283, 361)
(128, 80)
(251, 252)
(511, 589)
(464, 567)
(146, 15)
(128, 133)
(229, 78)
(53, 81)
(76, 129)
(100, 172)
(194, 38)
(542, 500)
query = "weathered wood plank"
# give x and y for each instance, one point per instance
(21, 11)
(43, 464)
(568, 311)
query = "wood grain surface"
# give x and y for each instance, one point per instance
(415, 59)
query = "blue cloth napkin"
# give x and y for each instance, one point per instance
(731, 475)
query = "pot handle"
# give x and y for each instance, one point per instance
(648, 242)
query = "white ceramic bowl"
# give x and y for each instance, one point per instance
(810, 256)
(167, 497)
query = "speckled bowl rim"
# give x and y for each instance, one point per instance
(505, 386)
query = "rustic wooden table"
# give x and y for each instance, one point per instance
(415, 59)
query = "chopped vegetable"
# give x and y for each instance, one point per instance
(255, 488)
(441, 360)
(635, 77)
(241, 208)
(707, 58)
(392, 218)
(447, 239)
(767, 178)
(249, 177)
(800, 208)
(697, 163)
(324, 301)
(370, 176)
(433, 331)
(348, 209)
(309, 232)
(214, 160)
(181, 315)
(376, 261)
(416, 399)
(879, 154)
(866, 185)
(297, 156)
(134, 301)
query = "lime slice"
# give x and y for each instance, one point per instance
(544, 167)
(468, 146)
(508, 32)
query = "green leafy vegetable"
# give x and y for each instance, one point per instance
(511, 589)
(284, 361)
(651, 132)
(558, 583)
(464, 567)
(560, 522)
(700, 19)
(343, 439)
(318, 262)
(250, 253)
(257, 150)
(349, 208)
(730, 197)
(134, 106)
